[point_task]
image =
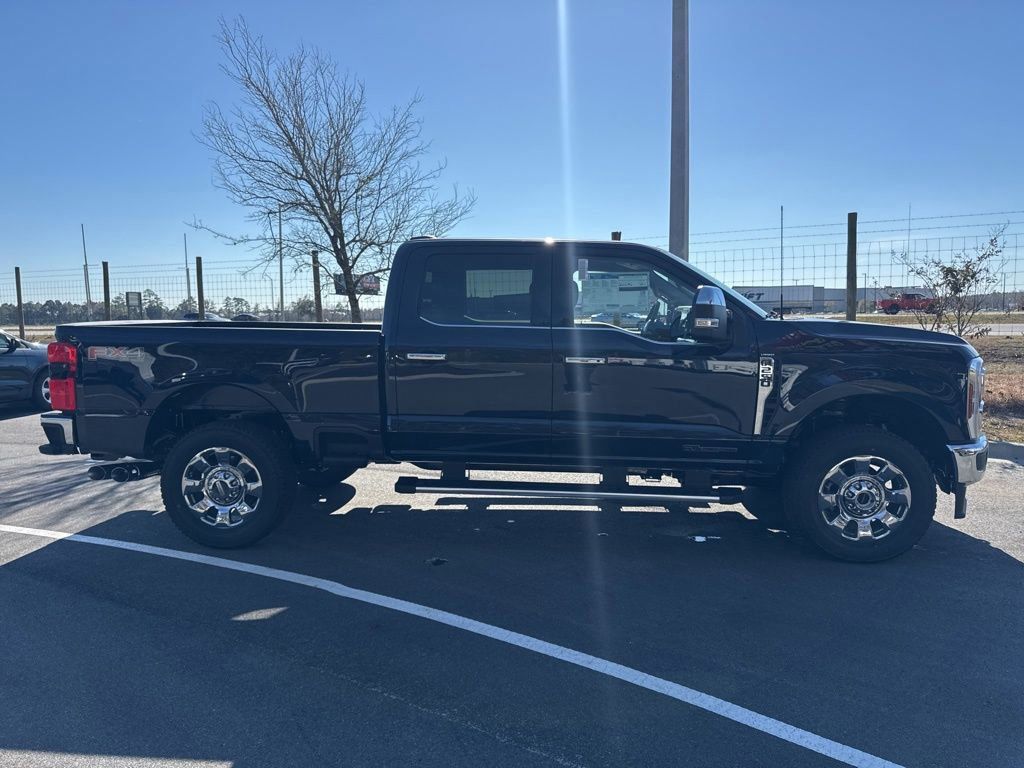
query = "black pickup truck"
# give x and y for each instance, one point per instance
(517, 355)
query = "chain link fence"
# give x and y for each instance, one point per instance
(798, 277)
(169, 291)
(811, 279)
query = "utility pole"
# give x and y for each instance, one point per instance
(200, 299)
(106, 291)
(21, 305)
(317, 301)
(782, 230)
(188, 276)
(85, 268)
(679, 168)
(280, 263)
(851, 265)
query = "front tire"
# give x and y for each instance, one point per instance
(861, 493)
(227, 484)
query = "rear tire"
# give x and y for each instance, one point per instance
(227, 484)
(861, 493)
(41, 391)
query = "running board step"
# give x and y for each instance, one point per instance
(564, 491)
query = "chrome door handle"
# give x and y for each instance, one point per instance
(437, 356)
(586, 360)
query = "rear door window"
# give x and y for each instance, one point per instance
(483, 289)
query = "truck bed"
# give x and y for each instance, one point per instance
(322, 379)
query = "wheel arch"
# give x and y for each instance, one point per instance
(902, 417)
(201, 404)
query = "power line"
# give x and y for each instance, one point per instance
(945, 216)
(840, 245)
(860, 232)
(740, 231)
(837, 224)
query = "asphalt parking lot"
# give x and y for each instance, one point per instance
(121, 657)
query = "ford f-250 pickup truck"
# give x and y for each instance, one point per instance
(489, 356)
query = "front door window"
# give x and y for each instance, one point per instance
(631, 295)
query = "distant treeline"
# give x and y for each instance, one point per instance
(54, 312)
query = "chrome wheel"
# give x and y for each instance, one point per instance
(44, 389)
(864, 497)
(222, 486)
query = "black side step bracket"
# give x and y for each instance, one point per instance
(588, 491)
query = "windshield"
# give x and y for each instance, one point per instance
(714, 281)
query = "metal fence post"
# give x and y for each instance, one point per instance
(317, 303)
(851, 267)
(21, 307)
(201, 302)
(106, 290)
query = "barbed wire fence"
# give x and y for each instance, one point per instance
(811, 278)
(169, 291)
(806, 274)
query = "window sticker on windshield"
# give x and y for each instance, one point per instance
(581, 268)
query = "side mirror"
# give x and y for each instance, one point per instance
(709, 317)
(11, 344)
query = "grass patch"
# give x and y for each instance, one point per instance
(908, 318)
(1004, 386)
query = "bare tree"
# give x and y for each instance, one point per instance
(302, 145)
(958, 284)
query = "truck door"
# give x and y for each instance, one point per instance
(470, 362)
(630, 387)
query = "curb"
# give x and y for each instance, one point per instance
(997, 449)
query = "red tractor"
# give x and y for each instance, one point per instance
(909, 302)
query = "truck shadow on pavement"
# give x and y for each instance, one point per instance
(56, 490)
(710, 599)
(16, 410)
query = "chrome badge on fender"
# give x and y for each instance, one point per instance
(115, 353)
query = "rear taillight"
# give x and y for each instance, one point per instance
(62, 353)
(62, 394)
(63, 359)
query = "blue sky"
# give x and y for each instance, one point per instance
(824, 106)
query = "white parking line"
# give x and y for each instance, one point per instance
(708, 703)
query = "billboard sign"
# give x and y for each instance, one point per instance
(366, 285)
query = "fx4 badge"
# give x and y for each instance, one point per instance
(115, 353)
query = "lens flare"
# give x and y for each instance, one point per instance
(579, 420)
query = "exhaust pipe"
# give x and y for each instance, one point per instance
(133, 470)
(98, 472)
(124, 472)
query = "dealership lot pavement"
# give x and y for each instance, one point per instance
(114, 657)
